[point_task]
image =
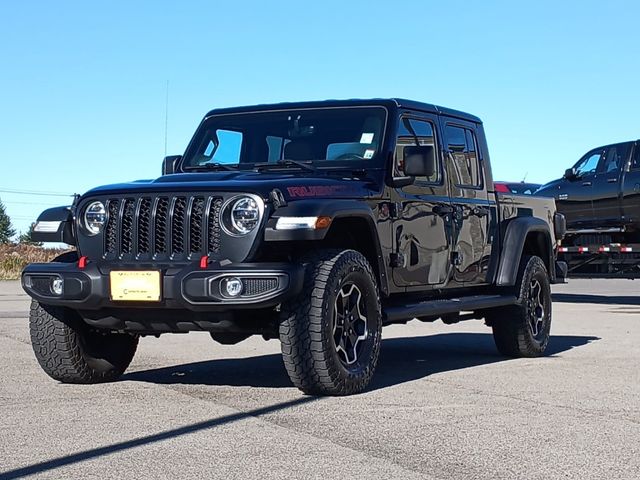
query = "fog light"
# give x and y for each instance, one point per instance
(56, 286)
(233, 286)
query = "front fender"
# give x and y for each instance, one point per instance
(55, 225)
(315, 208)
(336, 209)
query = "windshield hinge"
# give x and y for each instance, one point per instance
(277, 198)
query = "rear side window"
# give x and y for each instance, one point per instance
(412, 133)
(635, 161)
(463, 149)
(614, 158)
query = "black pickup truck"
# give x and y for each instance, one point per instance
(600, 199)
(316, 223)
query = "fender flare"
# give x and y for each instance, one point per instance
(513, 245)
(336, 209)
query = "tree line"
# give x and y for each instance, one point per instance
(7, 232)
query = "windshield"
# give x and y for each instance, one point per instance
(317, 136)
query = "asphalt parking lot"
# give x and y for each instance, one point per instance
(443, 405)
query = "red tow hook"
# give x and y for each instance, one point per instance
(82, 262)
(204, 261)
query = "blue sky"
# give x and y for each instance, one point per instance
(82, 84)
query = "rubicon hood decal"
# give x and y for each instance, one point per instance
(304, 191)
(293, 186)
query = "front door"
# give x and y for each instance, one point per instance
(607, 210)
(422, 247)
(574, 198)
(472, 217)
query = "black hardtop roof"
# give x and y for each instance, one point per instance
(392, 103)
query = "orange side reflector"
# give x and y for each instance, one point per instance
(323, 222)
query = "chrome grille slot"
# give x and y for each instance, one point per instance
(214, 225)
(161, 220)
(126, 229)
(195, 225)
(144, 225)
(177, 225)
(111, 229)
(170, 227)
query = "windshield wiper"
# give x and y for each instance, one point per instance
(285, 163)
(211, 166)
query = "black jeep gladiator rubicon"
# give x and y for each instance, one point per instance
(316, 223)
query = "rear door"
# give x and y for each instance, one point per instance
(631, 188)
(607, 208)
(470, 200)
(422, 233)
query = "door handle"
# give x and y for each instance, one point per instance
(612, 180)
(586, 184)
(442, 210)
(480, 211)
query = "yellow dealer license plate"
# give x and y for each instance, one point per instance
(135, 286)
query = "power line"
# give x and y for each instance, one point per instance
(31, 203)
(35, 192)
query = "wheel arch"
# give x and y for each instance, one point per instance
(353, 226)
(524, 236)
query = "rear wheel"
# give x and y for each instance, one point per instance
(70, 351)
(331, 333)
(523, 330)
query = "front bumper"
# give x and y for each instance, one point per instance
(185, 287)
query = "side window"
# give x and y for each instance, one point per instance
(463, 147)
(588, 164)
(223, 147)
(413, 133)
(635, 161)
(614, 158)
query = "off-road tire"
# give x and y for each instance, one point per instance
(307, 324)
(513, 333)
(69, 351)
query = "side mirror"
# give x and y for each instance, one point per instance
(570, 174)
(170, 163)
(420, 161)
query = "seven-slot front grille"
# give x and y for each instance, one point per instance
(176, 227)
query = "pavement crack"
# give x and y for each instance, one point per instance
(584, 411)
(264, 418)
(16, 339)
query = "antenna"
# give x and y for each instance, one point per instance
(523, 178)
(166, 118)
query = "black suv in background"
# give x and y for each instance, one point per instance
(316, 223)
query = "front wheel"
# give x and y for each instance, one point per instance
(69, 351)
(523, 330)
(331, 333)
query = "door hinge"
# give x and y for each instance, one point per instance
(395, 209)
(396, 260)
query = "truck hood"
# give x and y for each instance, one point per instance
(293, 185)
(550, 189)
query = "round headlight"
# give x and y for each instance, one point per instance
(95, 217)
(241, 215)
